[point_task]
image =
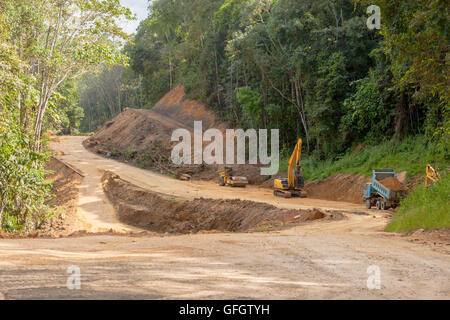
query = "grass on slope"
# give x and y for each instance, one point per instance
(411, 155)
(424, 208)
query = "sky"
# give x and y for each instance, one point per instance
(139, 7)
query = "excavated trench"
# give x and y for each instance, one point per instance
(159, 213)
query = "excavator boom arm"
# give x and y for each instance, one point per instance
(294, 163)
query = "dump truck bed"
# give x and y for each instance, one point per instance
(385, 185)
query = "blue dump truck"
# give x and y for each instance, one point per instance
(385, 191)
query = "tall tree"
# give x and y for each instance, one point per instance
(67, 39)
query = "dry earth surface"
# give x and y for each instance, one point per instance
(325, 259)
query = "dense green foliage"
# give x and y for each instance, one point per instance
(411, 155)
(310, 68)
(69, 114)
(104, 94)
(22, 187)
(44, 46)
(424, 208)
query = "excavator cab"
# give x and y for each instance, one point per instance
(293, 185)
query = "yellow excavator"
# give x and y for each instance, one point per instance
(293, 185)
(432, 176)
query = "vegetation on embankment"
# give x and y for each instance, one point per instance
(424, 208)
(410, 155)
(44, 47)
(23, 190)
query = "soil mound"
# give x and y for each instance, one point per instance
(339, 187)
(132, 129)
(158, 213)
(66, 186)
(139, 129)
(393, 184)
(143, 137)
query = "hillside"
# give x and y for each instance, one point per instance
(143, 137)
(175, 105)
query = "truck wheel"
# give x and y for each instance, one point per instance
(221, 181)
(378, 205)
(383, 205)
(369, 204)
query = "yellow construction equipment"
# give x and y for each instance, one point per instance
(226, 178)
(432, 176)
(293, 185)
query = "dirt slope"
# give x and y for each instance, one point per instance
(143, 137)
(135, 129)
(158, 213)
(66, 187)
(175, 105)
(339, 187)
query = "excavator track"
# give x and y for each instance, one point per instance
(290, 194)
(282, 194)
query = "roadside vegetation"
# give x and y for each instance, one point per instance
(23, 189)
(424, 208)
(44, 46)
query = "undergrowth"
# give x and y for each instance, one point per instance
(424, 208)
(411, 155)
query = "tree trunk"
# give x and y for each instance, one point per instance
(301, 108)
(217, 75)
(119, 98)
(401, 118)
(42, 108)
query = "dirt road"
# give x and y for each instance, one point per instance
(94, 165)
(322, 260)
